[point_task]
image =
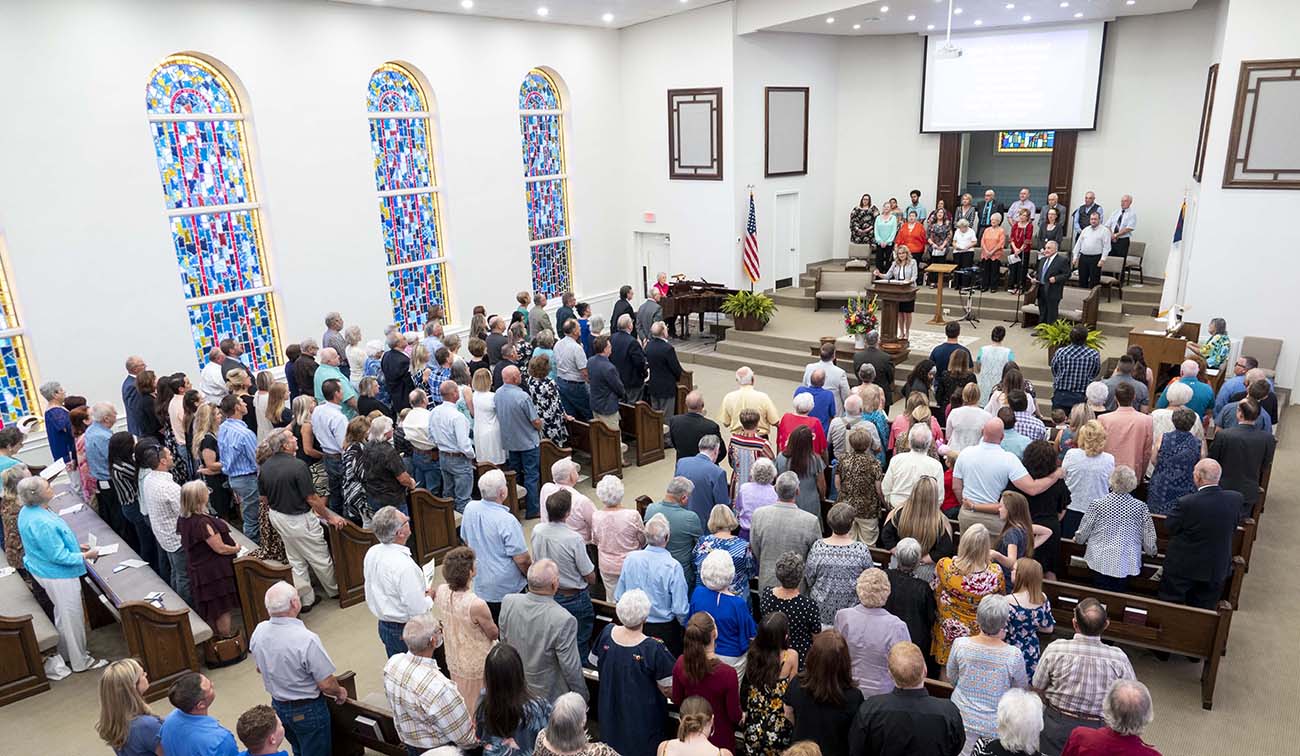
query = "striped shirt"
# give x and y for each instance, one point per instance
(1074, 674)
(1118, 530)
(427, 709)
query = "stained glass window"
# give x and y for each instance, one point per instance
(546, 184)
(201, 143)
(17, 390)
(401, 140)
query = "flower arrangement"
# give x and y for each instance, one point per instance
(860, 315)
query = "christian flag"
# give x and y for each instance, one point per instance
(1173, 268)
(751, 244)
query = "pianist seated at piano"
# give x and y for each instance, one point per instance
(903, 271)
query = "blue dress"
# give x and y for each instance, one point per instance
(741, 557)
(1022, 630)
(1179, 453)
(632, 673)
(736, 626)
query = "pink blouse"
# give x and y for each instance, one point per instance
(616, 533)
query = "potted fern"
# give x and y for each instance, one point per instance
(1052, 336)
(749, 311)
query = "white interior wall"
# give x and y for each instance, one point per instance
(766, 59)
(692, 49)
(81, 203)
(1237, 270)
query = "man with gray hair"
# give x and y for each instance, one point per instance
(415, 427)
(432, 340)
(295, 511)
(911, 599)
(384, 475)
(685, 526)
(571, 371)
(538, 319)
(656, 572)
(212, 384)
(604, 382)
(296, 672)
(665, 371)
(649, 313)
(131, 401)
(582, 513)
(1202, 395)
(781, 527)
(500, 551)
(544, 634)
(395, 366)
(1198, 557)
(328, 369)
(333, 336)
(103, 416)
(747, 397)
(835, 379)
(396, 589)
(848, 421)
(879, 359)
(907, 468)
(427, 709)
(519, 423)
(554, 541)
(304, 368)
(710, 480)
(448, 432)
(1127, 712)
(628, 356)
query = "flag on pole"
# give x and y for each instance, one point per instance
(751, 243)
(1169, 304)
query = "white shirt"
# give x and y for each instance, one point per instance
(837, 381)
(395, 586)
(211, 384)
(1123, 219)
(330, 427)
(356, 355)
(161, 499)
(449, 430)
(966, 427)
(1092, 241)
(904, 471)
(964, 241)
(416, 427)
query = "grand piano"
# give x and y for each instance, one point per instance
(686, 298)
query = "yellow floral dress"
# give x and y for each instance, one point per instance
(957, 597)
(767, 731)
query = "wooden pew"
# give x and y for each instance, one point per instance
(349, 545)
(685, 384)
(1153, 624)
(550, 453)
(512, 487)
(1145, 584)
(433, 521)
(25, 633)
(644, 428)
(357, 725)
(253, 577)
(601, 444)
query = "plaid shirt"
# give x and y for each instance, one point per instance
(1030, 427)
(436, 376)
(1074, 366)
(1074, 674)
(427, 709)
(1118, 530)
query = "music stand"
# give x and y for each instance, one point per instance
(972, 296)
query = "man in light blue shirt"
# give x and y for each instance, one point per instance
(449, 434)
(103, 415)
(1237, 383)
(915, 207)
(984, 471)
(654, 571)
(823, 400)
(709, 479)
(237, 449)
(330, 426)
(189, 731)
(329, 370)
(520, 424)
(500, 551)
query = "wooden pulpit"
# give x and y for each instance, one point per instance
(1161, 352)
(891, 295)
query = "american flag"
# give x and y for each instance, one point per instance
(751, 243)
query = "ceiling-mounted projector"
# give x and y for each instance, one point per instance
(947, 51)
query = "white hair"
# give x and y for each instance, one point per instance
(566, 730)
(31, 490)
(1123, 479)
(422, 632)
(762, 471)
(374, 348)
(50, 388)
(279, 598)
(380, 427)
(680, 487)
(633, 608)
(564, 469)
(1190, 368)
(1097, 392)
(541, 574)
(744, 376)
(787, 485)
(919, 437)
(101, 411)
(1127, 707)
(1020, 720)
(610, 490)
(992, 613)
(908, 552)
(853, 405)
(803, 404)
(385, 524)
(625, 322)
(709, 443)
(1178, 394)
(492, 485)
(717, 570)
(657, 530)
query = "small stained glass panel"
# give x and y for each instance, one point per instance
(401, 150)
(410, 225)
(412, 290)
(551, 268)
(546, 209)
(394, 90)
(249, 320)
(16, 395)
(188, 85)
(218, 253)
(543, 155)
(201, 162)
(538, 92)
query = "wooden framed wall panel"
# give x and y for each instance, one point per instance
(695, 134)
(1262, 150)
(785, 131)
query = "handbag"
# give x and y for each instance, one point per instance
(223, 652)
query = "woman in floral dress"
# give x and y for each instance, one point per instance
(546, 398)
(1031, 612)
(722, 523)
(770, 665)
(959, 583)
(862, 222)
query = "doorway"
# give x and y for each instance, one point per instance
(785, 238)
(971, 162)
(654, 256)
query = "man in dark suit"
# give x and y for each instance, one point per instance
(629, 358)
(661, 359)
(1244, 451)
(987, 208)
(1199, 554)
(1053, 272)
(878, 359)
(396, 369)
(131, 401)
(623, 306)
(566, 312)
(685, 431)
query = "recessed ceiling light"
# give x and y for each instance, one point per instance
(884, 9)
(979, 22)
(607, 17)
(929, 27)
(911, 17)
(857, 26)
(1079, 14)
(956, 11)
(1064, 4)
(467, 4)
(1131, 2)
(1026, 17)
(1011, 6)
(830, 19)
(543, 11)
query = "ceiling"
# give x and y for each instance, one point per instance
(621, 13)
(892, 16)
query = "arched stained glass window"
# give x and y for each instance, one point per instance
(401, 139)
(17, 389)
(546, 185)
(201, 143)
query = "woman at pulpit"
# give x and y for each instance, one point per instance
(902, 271)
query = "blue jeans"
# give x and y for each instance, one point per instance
(527, 465)
(1066, 400)
(391, 634)
(457, 479)
(178, 564)
(334, 469)
(245, 488)
(306, 726)
(573, 395)
(579, 605)
(424, 468)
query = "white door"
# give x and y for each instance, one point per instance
(785, 238)
(654, 256)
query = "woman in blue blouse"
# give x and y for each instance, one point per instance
(722, 523)
(508, 717)
(126, 723)
(735, 623)
(58, 422)
(53, 556)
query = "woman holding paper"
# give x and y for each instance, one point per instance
(1022, 235)
(211, 551)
